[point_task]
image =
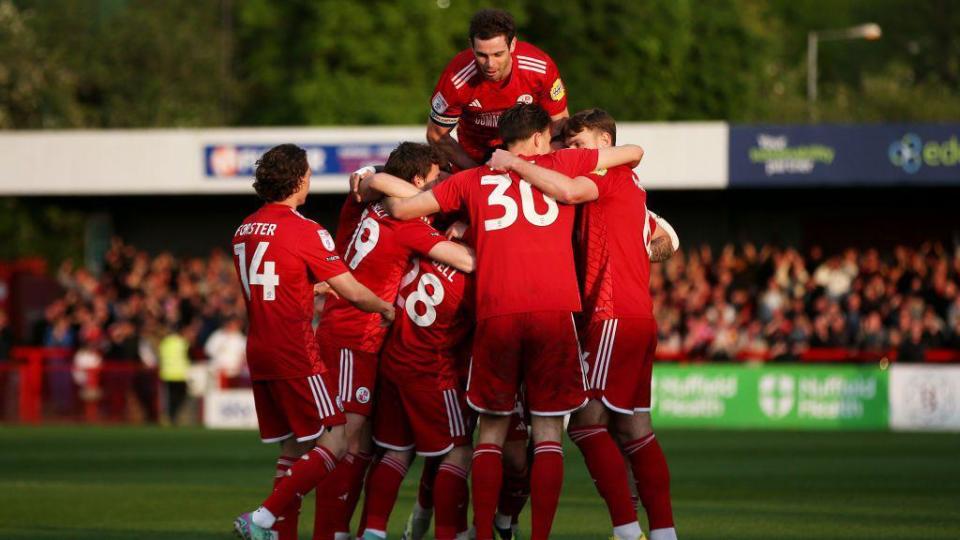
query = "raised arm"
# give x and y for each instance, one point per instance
(627, 154)
(554, 184)
(360, 296)
(422, 204)
(385, 185)
(440, 136)
(455, 254)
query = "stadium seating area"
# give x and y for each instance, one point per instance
(741, 302)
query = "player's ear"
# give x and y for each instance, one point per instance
(606, 139)
(513, 44)
(419, 181)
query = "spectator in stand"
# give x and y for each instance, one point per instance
(174, 367)
(60, 337)
(227, 349)
(6, 337)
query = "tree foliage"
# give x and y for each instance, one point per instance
(143, 63)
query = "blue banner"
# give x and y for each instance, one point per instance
(844, 155)
(233, 161)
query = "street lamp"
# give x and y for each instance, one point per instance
(868, 31)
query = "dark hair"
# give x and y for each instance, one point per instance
(521, 121)
(597, 119)
(280, 171)
(413, 159)
(490, 23)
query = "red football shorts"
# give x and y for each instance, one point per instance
(356, 376)
(426, 415)
(620, 363)
(300, 408)
(537, 350)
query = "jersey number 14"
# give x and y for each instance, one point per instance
(268, 279)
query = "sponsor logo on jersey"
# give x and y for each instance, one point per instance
(489, 119)
(525, 98)
(326, 239)
(439, 104)
(557, 91)
(363, 394)
(475, 104)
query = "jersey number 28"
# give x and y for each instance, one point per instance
(430, 300)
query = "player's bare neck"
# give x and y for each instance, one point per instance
(523, 148)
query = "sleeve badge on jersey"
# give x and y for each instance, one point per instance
(439, 104)
(600, 172)
(557, 91)
(326, 240)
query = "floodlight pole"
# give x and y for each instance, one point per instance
(868, 31)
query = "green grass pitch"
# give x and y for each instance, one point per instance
(165, 484)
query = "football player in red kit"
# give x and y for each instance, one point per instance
(495, 73)
(377, 253)
(618, 239)
(420, 403)
(526, 293)
(279, 255)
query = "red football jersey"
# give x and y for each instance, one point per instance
(433, 320)
(464, 98)
(278, 256)
(350, 214)
(523, 238)
(615, 232)
(377, 254)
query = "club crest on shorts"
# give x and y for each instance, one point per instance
(363, 394)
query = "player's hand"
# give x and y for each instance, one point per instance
(355, 178)
(324, 288)
(502, 160)
(388, 315)
(457, 230)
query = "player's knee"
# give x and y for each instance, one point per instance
(593, 414)
(460, 456)
(632, 427)
(334, 439)
(293, 448)
(547, 429)
(403, 456)
(493, 429)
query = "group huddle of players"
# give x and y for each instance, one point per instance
(452, 324)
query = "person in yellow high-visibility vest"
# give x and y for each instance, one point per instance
(174, 359)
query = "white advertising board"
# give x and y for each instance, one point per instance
(229, 409)
(925, 397)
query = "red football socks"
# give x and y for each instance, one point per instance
(514, 493)
(335, 505)
(653, 480)
(427, 478)
(304, 475)
(382, 487)
(487, 476)
(546, 480)
(451, 501)
(604, 461)
(286, 525)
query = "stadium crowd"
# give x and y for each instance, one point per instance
(735, 302)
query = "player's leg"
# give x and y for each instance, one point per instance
(492, 387)
(516, 477)
(312, 415)
(612, 379)
(555, 386)
(441, 429)
(356, 376)
(639, 443)
(418, 522)
(452, 494)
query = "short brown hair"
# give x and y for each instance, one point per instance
(413, 159)
(280, 172)
(597, 119)
(521, 121)
(490, 23)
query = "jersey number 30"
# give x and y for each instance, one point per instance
(252, 276)
(498, 197)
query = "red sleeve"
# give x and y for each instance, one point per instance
(553, 94)
(417, 236)
(451, 193)
(574, 161)
(349, 217)
(445, 105)
(317, 249)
